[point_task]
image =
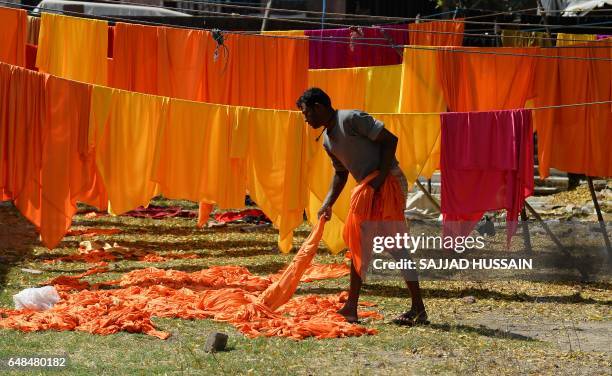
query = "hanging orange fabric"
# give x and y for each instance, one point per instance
(257, 71)
(73, 48)
(49, 166)
(193, 156)
(123, 130)
(282, 290)
(367, 205)
(420, 89)
(277, 168)
(13, 37)
(24, 144)
(574, 139)
(134, 63)
(436, 33)
(486, 82)
(68, 170)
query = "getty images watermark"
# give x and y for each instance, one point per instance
(458, 244)
(425, 251)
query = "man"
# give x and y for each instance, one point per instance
(357, 144)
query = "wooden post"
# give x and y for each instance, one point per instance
(600, 219)
(428, 195)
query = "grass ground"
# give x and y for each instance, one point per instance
(509, 328)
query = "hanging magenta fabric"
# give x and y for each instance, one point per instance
(333, 48)
(487, 164)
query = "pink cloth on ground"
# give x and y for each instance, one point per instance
(486, 162)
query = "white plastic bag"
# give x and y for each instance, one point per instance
(36, 298)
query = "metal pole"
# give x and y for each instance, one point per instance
(266, 15)
(602, 224)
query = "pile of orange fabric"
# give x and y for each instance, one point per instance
(257, 306)
(223, 293)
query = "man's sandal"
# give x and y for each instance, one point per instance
(411, 318)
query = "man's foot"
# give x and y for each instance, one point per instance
(412, 318)
(349, 313)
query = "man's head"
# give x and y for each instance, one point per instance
(316, 107)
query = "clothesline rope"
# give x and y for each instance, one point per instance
(260, 8)
(449, 49)
(310, 22)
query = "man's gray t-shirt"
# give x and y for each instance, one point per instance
(350, 143)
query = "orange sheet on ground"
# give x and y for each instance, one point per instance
(73, 48)
(368, 206)
(436, 33)
(134, 62)
(123, 130)
(486, 82)
(13, 37)
(575, 139)
(223, 293)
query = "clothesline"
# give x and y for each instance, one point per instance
(344, 14)
(346, 25)
(450, 49)
(310, 22)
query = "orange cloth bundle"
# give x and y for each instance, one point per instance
(13, 37)
(436, 33)
(368, 205)
(223, 293)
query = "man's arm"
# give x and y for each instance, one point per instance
(337, 185)
(388, 143)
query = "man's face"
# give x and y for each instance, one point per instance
(313, 115)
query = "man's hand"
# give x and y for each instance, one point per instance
(325, 211)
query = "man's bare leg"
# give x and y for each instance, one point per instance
(349, 311)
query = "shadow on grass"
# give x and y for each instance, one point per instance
(386, 291)
(482, 331)
(17, 239)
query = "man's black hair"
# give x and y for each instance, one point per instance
(312, 96)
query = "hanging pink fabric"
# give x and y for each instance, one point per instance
(487, 164)
(333, 48)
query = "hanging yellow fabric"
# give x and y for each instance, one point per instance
(516, 38)
(276, 168)
(73, 48)
(418, 153)
(195, 155)
(285, 33)
(564, 39)
(371, 89)
(123, 129)
(420, 88)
